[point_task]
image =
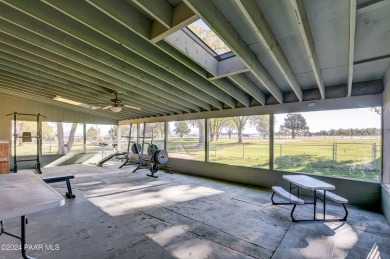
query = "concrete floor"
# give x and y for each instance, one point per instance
(117, 214)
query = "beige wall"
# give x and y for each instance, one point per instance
(10, 104)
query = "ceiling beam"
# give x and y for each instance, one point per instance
(308, 42)
(34, 84)
(148, 50)
(351, 53)
(263, 32)
(182, 42)
(43, 94)
(245, 83)
(233, 91)
(225, 87)
(39, 55)
(5, 89)
(228, 67)
(85, 86)
(182, 16)
(213, 17)
(87, 24)
(371, 5)
(134, 20)
(123, 71)
(160, 10)
(112, 58)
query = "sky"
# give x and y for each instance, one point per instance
(344, 119)
(320, 120)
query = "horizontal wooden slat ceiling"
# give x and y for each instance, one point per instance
(85, 50)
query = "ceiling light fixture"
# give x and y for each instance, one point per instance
(116, 108)
(64, 100)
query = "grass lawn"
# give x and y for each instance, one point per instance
(340, 157)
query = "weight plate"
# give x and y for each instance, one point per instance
(134, 148)
(151, 149)
(161, 157)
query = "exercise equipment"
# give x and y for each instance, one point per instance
(26, 137)
(155, 157)
(135, 149)
(159, 158)
(109, 157)
(103, 145)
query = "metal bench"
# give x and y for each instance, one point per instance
(62, 178)
(338, 199)
(293, 200)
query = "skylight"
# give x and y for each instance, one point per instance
(203, 32)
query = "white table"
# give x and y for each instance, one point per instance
(312, 184)
(25, 193)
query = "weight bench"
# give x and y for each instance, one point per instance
(337, 199)
(62, 178)
(293, 200)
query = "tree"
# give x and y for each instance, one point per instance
(113, 132)
(261, 123)
(210, 38)
(229, 126)
(295, 123)
(158, 131)
(47, 131)
(181, 128)
(215, 128)
(62, 147)
(92, 132)
(240, 122)
(199, 124)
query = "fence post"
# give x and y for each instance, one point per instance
(334, 153)
(374, 155)
(243, 150)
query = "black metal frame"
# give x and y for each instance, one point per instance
(127, 156)
(38, 137)
(68, 194)
(22, 238)
(314, 207)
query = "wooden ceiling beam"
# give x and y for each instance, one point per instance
(214, 18)
(244, 82)
(308, 42)
(351, 49)
(49, 80)
(101, 31)
(84, 85)
(263, 32)
(117, 65)
(36, 86)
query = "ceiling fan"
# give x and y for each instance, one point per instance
(116, 104)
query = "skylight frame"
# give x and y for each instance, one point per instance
(204, 45)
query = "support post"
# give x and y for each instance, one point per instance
(84, 138)
(374, 155)
(15, 140)
(271, 141)
(166, 135)
(206, 140)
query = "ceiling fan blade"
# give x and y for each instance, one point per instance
(107, 107)
(132, 107)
